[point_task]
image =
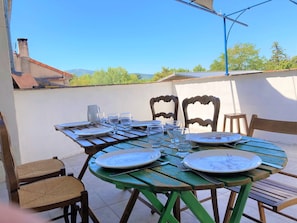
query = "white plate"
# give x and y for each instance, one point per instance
(130, 158)
(222, 161)
(93, 131)
(74, 124)
(214, 137)
(145, 123)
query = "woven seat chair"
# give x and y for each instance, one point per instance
(157, 113)
(270, 194)
(45, 194)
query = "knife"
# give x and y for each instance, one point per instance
(142, 168)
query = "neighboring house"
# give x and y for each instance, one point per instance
(30, 73)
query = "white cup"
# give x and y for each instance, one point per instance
(93, 113)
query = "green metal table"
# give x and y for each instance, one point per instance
(179, 184)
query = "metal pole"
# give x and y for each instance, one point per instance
(226, 49)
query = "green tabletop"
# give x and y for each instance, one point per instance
(176, 184)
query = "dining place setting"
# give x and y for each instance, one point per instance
(207, 152)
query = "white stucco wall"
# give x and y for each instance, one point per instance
(6, 89)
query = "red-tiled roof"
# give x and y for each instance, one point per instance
(25, 81)
(68, 75)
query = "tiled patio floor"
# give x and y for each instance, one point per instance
(108, 203)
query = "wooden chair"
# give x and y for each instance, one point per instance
(203, 100)
(45, 194)
(166, 99)
(270, 194)
(41, 169)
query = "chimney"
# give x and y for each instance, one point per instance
(24, 55)
(23, 47)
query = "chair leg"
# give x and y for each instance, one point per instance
(261, 212)
(215, 208)
(84, 207)
(66, 213)
(229, 207)
(74, 209)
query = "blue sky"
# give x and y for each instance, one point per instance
(144, 36)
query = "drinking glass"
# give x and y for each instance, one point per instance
(169, 127)
(155, 135)
(182, 144)
(113, 119)
(93, 113)
(126, 119)
(102, 117)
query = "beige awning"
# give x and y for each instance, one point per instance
(205, 3)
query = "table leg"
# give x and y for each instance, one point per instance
(129, 206)
(165, 211)
(240, 203)
(84, 168)
(194, 205)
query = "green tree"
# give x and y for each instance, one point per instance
(279, 59)
(241, 57)
(166, 72)
(117, 75)
(294, 62)
(198, 68)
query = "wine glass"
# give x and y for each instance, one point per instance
(113, 119)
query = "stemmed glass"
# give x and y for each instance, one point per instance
(113, 119)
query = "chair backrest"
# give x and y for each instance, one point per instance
(203, 100)
(8, 163)
(269, 125)
(166, 99)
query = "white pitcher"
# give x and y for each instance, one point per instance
(93, 113)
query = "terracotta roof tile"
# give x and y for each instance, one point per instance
(25, 81)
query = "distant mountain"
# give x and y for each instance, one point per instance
(79, 72)
(145, 76)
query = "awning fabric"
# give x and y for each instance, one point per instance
(205, 3)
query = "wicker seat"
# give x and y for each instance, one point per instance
(41, 169)
(273, 195)
(46, 194)
(164, 99)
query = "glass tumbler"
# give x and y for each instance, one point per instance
(155, 134)
(126, 119)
